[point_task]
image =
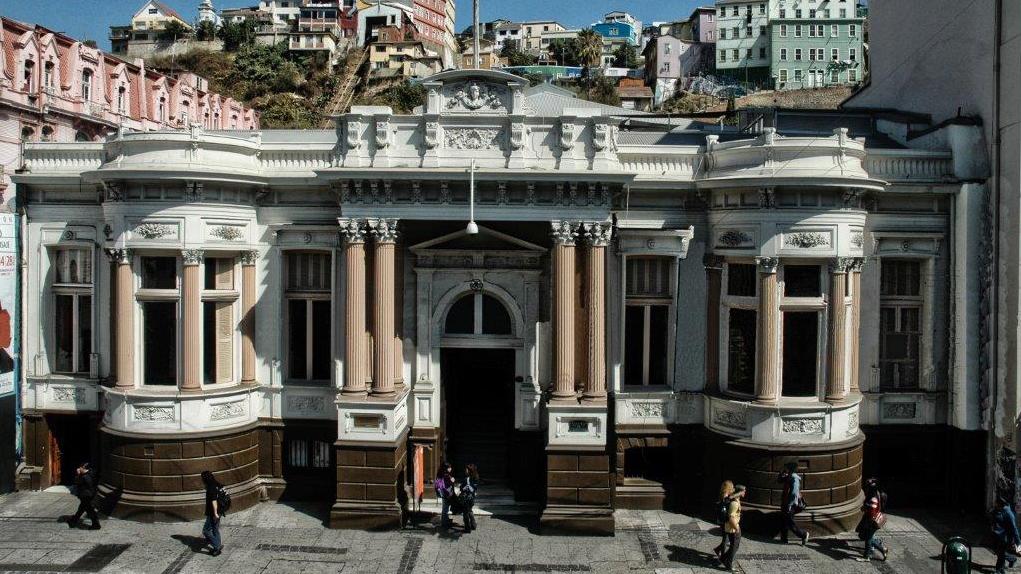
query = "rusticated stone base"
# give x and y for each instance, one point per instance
(831, 487)
(156, 478)
(579, 492)
(370, 485)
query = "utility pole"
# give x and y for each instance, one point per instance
(475, 33)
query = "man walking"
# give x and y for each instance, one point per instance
(85, 490)
(792, 503)
(733, 526)
(211, 529)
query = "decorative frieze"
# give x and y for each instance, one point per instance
(473, 138)
(306, 405)
(227, 232)
(474, 96)
(734, 419)
(154, 230)
(899, 410)
(806, 239)
(734, 238)
(73, 395)
(226, 411)
(646, 409)
(801, 425)
(154, 414)
(858, 239)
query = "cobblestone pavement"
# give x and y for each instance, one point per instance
(290, 538)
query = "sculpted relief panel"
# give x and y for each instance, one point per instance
(474, 97)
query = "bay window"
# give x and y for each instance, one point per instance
(307, 293)
(159, 298)
(72, 303)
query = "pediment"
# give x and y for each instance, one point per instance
(485, 240)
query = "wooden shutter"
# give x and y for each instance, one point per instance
(224, 341)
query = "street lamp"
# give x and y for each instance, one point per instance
(472, 228)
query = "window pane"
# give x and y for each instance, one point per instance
(321, 451)
(634, 336)
(321, 356)
(297, 453)
(741, 351)
(74, 266)
(296, 342)
(461, 317)
(648, 277)
(159, 340)
(219, 273)
(802, 281)
(308, 271)
(495, 318)
(900, 278)
(84, 332)
(159, 273)
(217, 342)
(64, 327)
(800, 353)
(741, 279)
(658, 321)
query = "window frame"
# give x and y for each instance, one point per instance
(232, 296)
(76, 291)
(151, 295)
(819, 305)
(728, 303)
(310, 297)
(669, 301)
(923, 302)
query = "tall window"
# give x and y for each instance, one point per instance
(834, 54)
(852, 76)
(87, 85)
(121, 99)
(72, 303)
(900, 325)
(48, 75)
(308, 287)
(741, 305)
(648, 304)
(219, 296)
(162, 109)
(797, 31)
(852, 30)
(834, 30)
(783, 54)
(801, 310)
(29, 76)
(159, 297)
(783, 75)
(852, 54)
(783, 30)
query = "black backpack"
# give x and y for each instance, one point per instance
(222, 500)
(723, 511)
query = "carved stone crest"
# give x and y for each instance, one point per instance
(473, 138)
(473, 96)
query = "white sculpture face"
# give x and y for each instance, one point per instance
(474, 91)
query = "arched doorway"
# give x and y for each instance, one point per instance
(478, 363)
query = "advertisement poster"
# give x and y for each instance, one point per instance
(8, 301)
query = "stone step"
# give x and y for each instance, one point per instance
(489, 506)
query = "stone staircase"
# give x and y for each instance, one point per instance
(341, 100)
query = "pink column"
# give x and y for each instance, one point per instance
(124, 354)
(354, 306)
(564, 234)
(248, 259)
(384, 325)
(767, 385)
(598, 236)
(192, 319)
(837, 336)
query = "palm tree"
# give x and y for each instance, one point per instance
(590, 49)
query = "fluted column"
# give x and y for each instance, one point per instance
(248, 259)
(383, 325)
(855, 333)
(192, 320)
(837, 336)
(124, 354)
(354, 306)
(767, 384)
(713, 282)
(598, 237)
(564, 234)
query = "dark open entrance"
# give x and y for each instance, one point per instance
(70, 445)
(478, 393)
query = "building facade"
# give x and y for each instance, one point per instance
(816, 46)
(703, 24)
(639, 315)
(742, 40)
(147, 34)
(532, 34)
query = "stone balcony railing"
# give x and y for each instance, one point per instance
(903, 165)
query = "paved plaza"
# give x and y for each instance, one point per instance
(284, 537)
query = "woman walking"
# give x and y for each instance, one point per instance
(872, 520)
(444, 485)
(733, 526)
(723, 515)
(469, 488)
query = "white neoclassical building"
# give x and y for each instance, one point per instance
(637, 314)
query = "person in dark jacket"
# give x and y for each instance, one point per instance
(1008, 539)
(85, 490)
(444, 485)
(791, 481)
(211, 529)
(469, 488)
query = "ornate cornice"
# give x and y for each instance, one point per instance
(767, 264)
(598, 234)
(192, 256)
(563, 232)
(353, 230)
(384, 230)
(121, 256)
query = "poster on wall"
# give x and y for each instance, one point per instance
(8, 301)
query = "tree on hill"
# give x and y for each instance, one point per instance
(604, 91)
(173, 31)
(590, 50)
(236, 34)
(514, 55)
(564, 51)
(206, 31)
(625, 56)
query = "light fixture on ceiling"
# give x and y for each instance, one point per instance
(472, 228)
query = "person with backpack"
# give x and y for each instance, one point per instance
(723, 515)
(85, 490)
(444, 485)
(1005, 531)
(469, 488)
(217, 504)
(793, 503)
(873, 519)
(733, 526)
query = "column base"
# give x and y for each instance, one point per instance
(579, 492)
(366, 516)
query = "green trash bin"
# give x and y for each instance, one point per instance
(956, 556)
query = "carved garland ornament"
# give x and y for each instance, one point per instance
(731, 419)
(68, 395)
(733, 238)
(647, 410)
(305, 404)
(154, 414)
(154, 230)
(227, 233)
(801, 426)
(473, 138)
(224, 411)
(805, 239)
(899, 410)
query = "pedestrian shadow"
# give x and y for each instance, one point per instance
(836, 549)
(692, 557)
(195, 543)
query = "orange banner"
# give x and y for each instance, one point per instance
(419, 472)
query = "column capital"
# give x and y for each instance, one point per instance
(713, 261)
(192, 256)
(597, 233)
(352, 229)
(856, 264)
(384, 230)
(841, 265)
(249, 257)
(767, 264)
(563, 232)
(120, 256)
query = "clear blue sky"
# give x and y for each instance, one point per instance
(91, 19)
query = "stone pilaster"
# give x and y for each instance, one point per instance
(855, 333)
(124, 354)
(836, 371)
(192, 320)
(353, 231)
(713, 278)
(767, 384)
(384, 331)
(248, 259)
(564, 234)
(598, 237)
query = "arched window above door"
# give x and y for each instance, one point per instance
(478, 314)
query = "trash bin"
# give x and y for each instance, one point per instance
(956, 556)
